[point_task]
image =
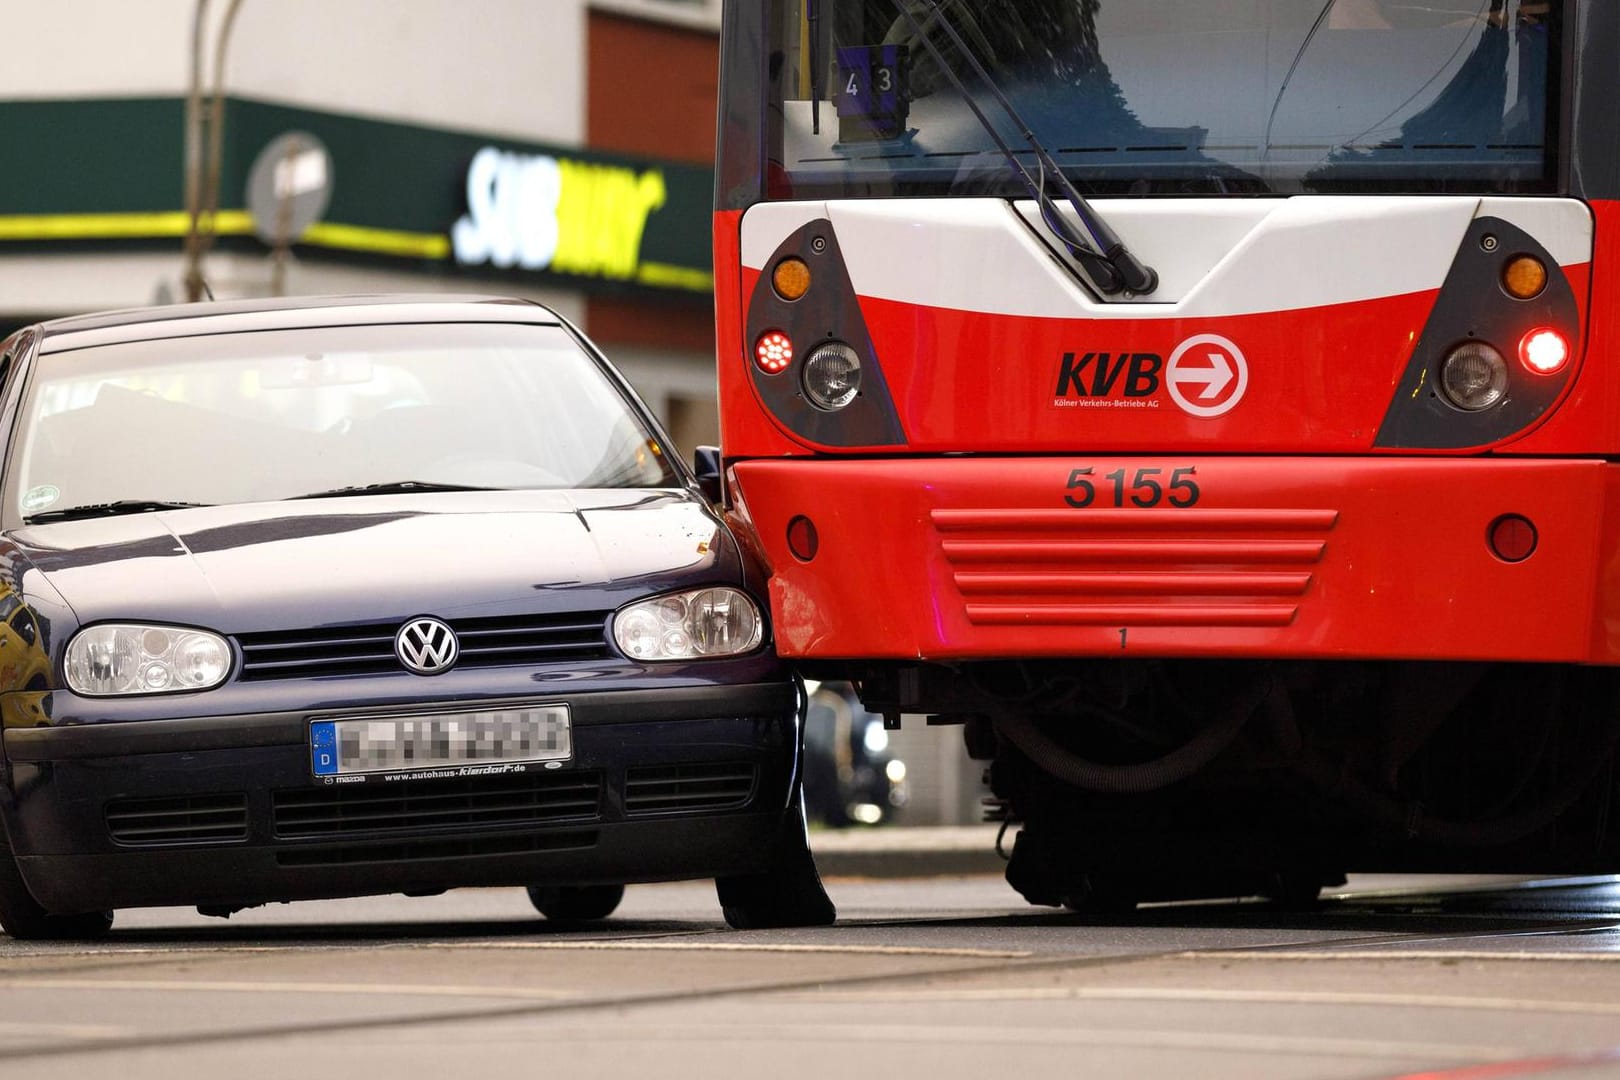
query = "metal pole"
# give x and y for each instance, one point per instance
(202, 188)
(216, 126)
(283, 228)
(193, 159)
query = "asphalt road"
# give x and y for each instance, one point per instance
(942, 977)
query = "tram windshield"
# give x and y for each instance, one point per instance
(1161, 97)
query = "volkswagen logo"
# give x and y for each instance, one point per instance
(426, 646)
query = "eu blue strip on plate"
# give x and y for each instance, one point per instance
(323, 747)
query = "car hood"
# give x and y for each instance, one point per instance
(379, 558)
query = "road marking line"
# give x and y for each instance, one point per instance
(1265, 997)
(229, 986)
(1153, 1039)
(1352, 952)
(10, 1028)
(728, 946)
(686, 946)
(76, 951)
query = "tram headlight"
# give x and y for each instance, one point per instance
(832, 376)
(1473, 376)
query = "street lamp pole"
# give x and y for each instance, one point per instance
(202, 189)
(193, 162)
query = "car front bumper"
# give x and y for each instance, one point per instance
(224, 811)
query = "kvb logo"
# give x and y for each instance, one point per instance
(1102, 376)
(1206, 375)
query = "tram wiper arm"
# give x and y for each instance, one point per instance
(1112, 266)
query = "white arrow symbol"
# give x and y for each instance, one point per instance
(1214, 378)
(1223, 382)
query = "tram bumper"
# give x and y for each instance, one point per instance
(955, 559)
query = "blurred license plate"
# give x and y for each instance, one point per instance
(398, 744)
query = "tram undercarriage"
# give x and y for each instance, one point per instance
(1151, 780)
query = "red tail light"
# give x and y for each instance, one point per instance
(773, 352)
(1544, 351)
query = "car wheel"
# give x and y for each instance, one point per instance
(575, 903)
(23, 918)
(788, 894)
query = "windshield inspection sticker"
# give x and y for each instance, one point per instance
(39, 497)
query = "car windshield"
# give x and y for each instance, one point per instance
(272, 415)
(1165, 96)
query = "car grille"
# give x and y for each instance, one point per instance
(199, 819)
(378, 810)
(474, 802)
(520, 844)
(369, 650)
(654, 789)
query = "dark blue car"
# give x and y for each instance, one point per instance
(332, 597)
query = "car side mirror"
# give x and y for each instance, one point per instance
(706, 462)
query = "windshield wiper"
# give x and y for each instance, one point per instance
(392, 487)
(108, 509)
(1111, 266)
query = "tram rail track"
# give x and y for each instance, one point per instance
(908, 970)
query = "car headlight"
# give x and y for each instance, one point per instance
(689, 625)
(125, 658)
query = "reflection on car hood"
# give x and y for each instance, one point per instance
(378, 558)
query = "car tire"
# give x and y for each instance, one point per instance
(790, 893)
(575, 903)
(23, 918)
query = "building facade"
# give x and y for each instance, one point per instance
(553, 149)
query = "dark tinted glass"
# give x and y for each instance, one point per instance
(1168, 96)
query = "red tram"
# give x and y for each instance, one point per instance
(1214, 406)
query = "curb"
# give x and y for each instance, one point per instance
(908, 852)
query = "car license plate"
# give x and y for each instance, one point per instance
(464, 742)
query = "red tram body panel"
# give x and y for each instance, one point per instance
(1324, 558)
(1111, 378)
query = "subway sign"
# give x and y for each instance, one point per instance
(544, 212)
(436, 202)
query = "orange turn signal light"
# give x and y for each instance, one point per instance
(791, 278)
(1524, 277)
